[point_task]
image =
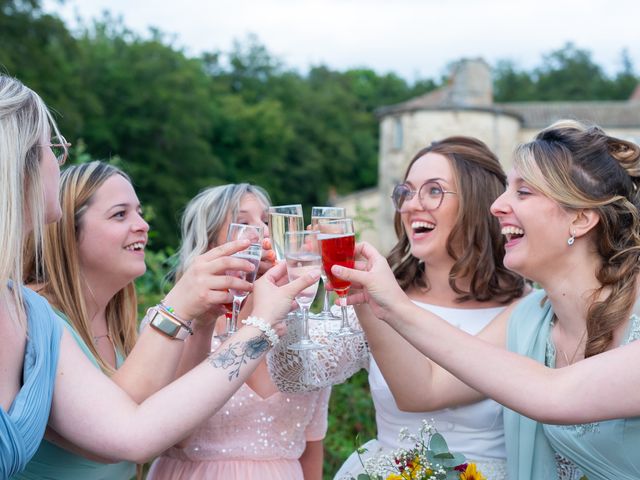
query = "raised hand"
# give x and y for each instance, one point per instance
(273, 297)
(372, 282)
(204, 287)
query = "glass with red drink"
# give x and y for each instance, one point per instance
(337, 243)
(323, 214)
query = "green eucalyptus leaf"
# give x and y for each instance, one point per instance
(438, 444)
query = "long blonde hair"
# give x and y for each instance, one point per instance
(62, 276)
(582, 167)
(206, 214)
(24, 120)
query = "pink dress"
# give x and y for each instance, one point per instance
(249, 438)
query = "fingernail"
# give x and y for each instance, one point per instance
(337, 269)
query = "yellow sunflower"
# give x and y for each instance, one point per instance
(472, 473)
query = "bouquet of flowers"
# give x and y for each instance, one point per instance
(428, 459)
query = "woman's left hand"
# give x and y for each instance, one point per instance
(273, 296)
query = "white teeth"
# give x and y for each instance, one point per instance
(135, 246)
(416, 225)
(512, 231)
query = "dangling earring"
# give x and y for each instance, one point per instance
(572, 238)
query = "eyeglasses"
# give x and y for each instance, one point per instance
(60, 148)
(430, 194)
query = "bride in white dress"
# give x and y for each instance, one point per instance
(448, 260)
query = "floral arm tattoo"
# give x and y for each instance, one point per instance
(235, 355)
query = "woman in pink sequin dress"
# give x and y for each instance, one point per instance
(260, 433)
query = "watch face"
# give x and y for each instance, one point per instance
(165, 325)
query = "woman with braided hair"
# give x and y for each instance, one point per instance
(570, 218)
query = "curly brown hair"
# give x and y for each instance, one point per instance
(480, 179)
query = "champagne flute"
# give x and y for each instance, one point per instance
(302, 254)
(338, 243)
(319, 214)
(253, 254)
(283, 219)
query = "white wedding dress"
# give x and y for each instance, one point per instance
(474, 430)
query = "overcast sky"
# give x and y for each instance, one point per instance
(413, 38)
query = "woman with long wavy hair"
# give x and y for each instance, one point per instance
(448, 260)
(570, 215)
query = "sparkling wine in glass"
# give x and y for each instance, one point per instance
(283, 219)
(337, 244)
(302, 254)
(322, 214)
(252, 254)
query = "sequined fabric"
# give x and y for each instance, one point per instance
(248, 426)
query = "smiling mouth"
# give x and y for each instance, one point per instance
(512, 233)
(422, 227)
(135, 247)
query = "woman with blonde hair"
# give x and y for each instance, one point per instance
(45, 378)
(260, 432)
(571, 221)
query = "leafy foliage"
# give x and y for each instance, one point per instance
(565, 74)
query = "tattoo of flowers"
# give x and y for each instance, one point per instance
(237, 354)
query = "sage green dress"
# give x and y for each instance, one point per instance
(599, 451)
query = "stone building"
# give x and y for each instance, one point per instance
(465, 106)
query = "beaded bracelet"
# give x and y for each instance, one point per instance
(260, 324)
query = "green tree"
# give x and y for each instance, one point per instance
(570, 74)
(152, 107)
(511, 84)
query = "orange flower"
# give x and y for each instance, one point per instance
(472, 473)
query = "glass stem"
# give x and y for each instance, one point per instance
(325, 302)
(304, 336)
(233, 327)
(343, 308)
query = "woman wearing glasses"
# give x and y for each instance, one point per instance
(570, 216)
(260, 432)
(45, 377)
(448, 261)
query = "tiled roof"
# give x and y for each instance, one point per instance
(621, 114)
(606, 114)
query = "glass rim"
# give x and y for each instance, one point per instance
(273, 208)
(324, 221)
(246, 225)
(302, 232)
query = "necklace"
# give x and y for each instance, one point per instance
(573, 357)
(98, 337)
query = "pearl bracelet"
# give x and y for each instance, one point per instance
(260, 324)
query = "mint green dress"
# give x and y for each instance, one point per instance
(55, 463)
(600, 451)
(22, 426)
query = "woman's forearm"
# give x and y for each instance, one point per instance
(102, 419)
(136, 377)
(197, 347)
(417, 384)
(584, 392)
(311, 460)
